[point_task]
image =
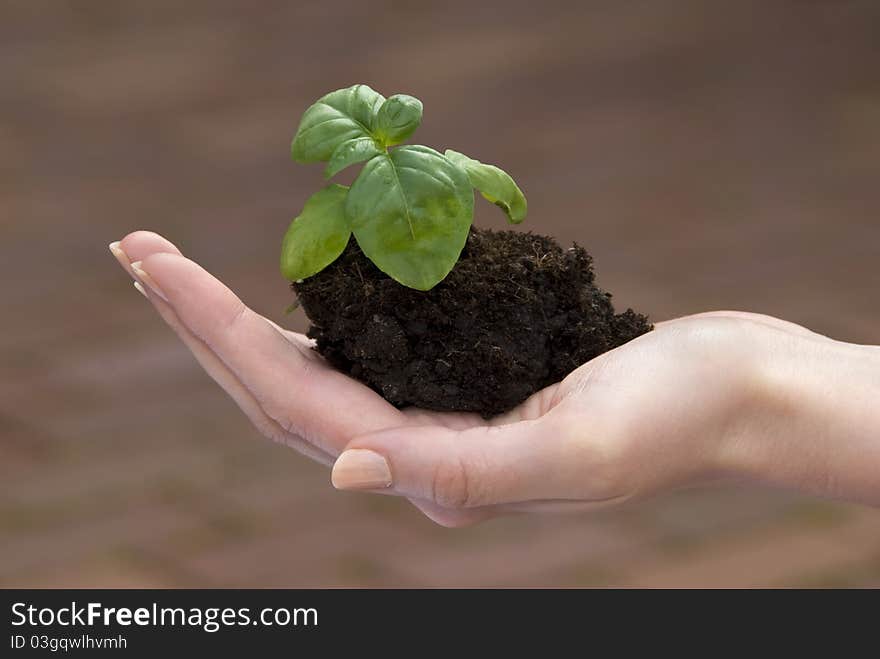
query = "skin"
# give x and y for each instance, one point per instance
(721, 395)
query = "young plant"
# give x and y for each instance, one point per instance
(410, 208)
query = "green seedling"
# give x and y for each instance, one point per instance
(410, 208)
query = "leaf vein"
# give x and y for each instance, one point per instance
(403, 196)
(444, 182)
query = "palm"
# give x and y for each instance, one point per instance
(369, 412)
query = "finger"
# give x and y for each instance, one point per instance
(300, 393)
(218, 371)
(142, 244)
(139, 245)
(469, 468)
(296, 338)
(453, 519)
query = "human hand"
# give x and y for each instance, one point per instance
(680, 405)
(716, 395)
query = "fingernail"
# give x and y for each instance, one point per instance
(361, 469)
(145, 278)
(140, 288)
(117, 251)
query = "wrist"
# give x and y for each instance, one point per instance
(810, 419)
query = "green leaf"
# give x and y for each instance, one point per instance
(351, 153)
(336, 118)
(494, 184)
(398, 118)
(410, 212)
(317, 236)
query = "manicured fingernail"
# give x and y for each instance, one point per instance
(140, 288)
(117, 251)
(137, 268)
(361, 469)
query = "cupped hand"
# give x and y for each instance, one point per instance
(676, 407)
(665, 410)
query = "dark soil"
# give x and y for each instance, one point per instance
(516, 314)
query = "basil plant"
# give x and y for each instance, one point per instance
(410, 208)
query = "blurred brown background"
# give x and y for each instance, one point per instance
(709, 154)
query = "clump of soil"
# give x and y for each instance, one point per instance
(516, 314)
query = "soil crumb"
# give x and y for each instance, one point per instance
(516, 314)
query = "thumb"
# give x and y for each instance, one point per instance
(480, 466)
